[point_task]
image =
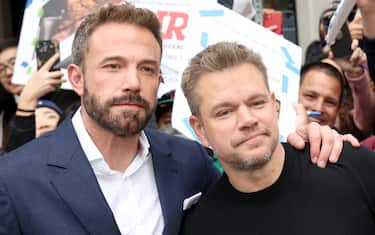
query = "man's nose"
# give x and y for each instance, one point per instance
(317, 105)
(131, 80)
(245, 117)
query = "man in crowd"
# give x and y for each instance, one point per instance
(163, 111)
(321, 92)
(267, 187)
(101, 172)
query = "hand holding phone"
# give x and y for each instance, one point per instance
(45, 49)
(343, 43)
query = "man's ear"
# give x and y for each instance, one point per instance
(75, 76)
(273, 96)
(199, 130)
(275, 103)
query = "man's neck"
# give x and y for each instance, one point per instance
(254, 180)
(118, 152)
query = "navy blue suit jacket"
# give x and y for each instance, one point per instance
(49, 187)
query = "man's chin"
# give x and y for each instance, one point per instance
(257, 161)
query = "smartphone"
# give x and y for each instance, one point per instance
(45, 49)
(342, 47)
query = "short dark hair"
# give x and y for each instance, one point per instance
(327, 69)
(10, 42)
(110, 13)
(314, 52)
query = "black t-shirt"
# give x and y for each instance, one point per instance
(304, 200)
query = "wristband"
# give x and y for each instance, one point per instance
(26, 110)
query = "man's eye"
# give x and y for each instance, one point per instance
(53, 117)
(258, 103)
(331, 103)
(148, 70)
(112, 66)
(309, 96)
(223, 113)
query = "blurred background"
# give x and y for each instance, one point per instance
(299, 17)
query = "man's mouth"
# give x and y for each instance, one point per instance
(250, 137)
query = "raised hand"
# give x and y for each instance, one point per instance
(40, 83)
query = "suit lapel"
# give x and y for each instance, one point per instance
(166, 176)
(77, 185)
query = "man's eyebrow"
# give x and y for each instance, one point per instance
(150, 61)
(119, 58)
(220, 105)
(228, 104)
(48, 111)
(111, 58)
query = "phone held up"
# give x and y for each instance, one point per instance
(45, 49)
(342, 46)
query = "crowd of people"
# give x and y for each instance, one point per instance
(103, 157)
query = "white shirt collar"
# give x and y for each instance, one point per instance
(132, 195)
(95, 157)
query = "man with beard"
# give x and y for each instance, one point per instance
(100, 172)
(267, 187)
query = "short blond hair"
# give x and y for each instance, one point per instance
(216, 58)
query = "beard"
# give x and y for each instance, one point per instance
(256, 161)
(124, 124)
(251, 163)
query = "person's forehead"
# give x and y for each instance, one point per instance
(113, 35)
(317, 75)
(242, 81)
(45, 111)
(7, 53)
(321, 83)
(245, 72)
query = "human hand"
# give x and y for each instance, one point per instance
(356, 28)
(301, 115)
(325, 143)
(40, 83)
(358, 61)
(355, 65)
